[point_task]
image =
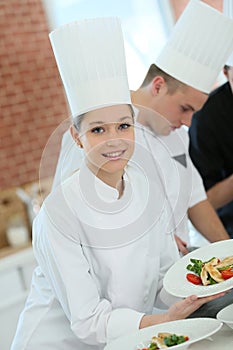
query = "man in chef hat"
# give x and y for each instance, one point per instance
(212, 155)
(176, 86)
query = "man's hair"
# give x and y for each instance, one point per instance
(226, 67)
(172, 83)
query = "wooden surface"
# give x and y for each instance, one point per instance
(6, 251)
(11, 206)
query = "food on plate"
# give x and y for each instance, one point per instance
(210, 272)
(165, 340)
(193, 278)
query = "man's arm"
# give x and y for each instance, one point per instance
(221, 193)
(206, 221)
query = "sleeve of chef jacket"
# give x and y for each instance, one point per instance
(60, 256)
(169, 254)
(198, 192)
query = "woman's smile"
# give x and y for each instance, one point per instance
(114, 155)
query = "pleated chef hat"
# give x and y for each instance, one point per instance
(198, 47)
(228, 11)
(91, 60)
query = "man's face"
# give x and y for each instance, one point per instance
(178, 108)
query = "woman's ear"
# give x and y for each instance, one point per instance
(75, 136)
(157, 84)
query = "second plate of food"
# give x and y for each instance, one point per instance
(193, 330)
(205, 271)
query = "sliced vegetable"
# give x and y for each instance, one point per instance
(174, 340)
(153, 346)
(165, 340)
(226, 274)
(196, 266)
(229, 267)
(193, 278)
(210, 272)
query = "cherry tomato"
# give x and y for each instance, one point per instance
(193, 278)
(227, 274)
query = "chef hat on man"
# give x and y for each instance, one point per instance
(228, 11)
(91, 60)
(199, 45)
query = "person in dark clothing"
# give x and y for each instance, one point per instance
(211, 148)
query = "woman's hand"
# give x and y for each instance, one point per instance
(187, 306)
(179, 310)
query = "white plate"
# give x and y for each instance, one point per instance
(195, 328)
(226, 315)
(175, 281)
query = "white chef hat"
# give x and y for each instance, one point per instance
(228, 11)
(198, 47)
(91, 60)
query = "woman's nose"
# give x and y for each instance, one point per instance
(113, 137)
(113, 141)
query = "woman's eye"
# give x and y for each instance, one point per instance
(97, 130)
(124, 126)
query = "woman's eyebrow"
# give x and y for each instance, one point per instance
(104, 122)
(126, 117)
(96, 122)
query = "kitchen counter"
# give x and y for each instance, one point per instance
(6, 251)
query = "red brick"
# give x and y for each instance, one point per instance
(31, 94)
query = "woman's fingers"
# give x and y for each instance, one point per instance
(187, 306)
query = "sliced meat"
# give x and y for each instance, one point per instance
(225, 262)
(159, 342)
(213, 271)
(162, 335)
(204, 276)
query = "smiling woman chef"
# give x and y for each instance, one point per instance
(101, 250)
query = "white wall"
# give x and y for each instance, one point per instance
(146, 25)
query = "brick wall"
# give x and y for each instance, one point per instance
(32, 101)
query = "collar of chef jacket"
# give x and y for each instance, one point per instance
(105, 192)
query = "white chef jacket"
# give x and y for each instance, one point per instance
(101, 262)
(181, 180)
(183, 185)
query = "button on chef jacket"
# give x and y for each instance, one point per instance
(101, 261)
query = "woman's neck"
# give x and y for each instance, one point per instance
(114, 180)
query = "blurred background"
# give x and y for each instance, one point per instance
(34, 115)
